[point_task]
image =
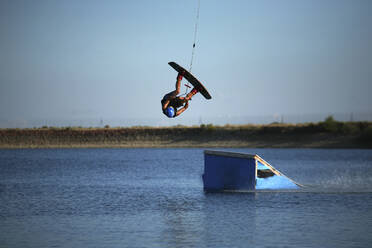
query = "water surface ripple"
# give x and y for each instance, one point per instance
(155, 198)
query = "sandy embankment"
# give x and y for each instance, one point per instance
(352, 135)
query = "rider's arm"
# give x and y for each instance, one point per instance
(180, 111)
(165, 105)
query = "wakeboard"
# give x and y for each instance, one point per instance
(189, 77)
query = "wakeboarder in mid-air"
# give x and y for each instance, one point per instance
(172, 104)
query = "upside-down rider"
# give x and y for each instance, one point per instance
(174, 105)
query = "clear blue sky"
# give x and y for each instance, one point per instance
(84, 59)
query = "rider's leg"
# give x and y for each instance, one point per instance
(178, 83)
(191, 94)
(177, 91)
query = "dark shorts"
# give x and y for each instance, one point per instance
(170, 95)
(175, 102)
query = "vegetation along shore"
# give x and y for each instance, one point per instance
(327, 134)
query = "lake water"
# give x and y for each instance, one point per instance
(155, 198)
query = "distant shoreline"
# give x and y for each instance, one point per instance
(328, 134)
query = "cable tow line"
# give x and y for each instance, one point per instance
(195, 33)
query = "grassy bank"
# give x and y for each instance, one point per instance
(327, 134)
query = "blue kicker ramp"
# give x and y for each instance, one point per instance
(230, 171)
